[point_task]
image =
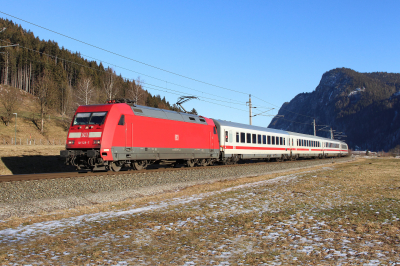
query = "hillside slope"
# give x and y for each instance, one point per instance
(28, 126)
(365, 106)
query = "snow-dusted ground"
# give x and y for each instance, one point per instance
(26, 232)
(289, 238)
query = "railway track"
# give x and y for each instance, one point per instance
(153, 169)
(29, 194)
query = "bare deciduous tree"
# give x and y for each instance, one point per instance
(135, 91)
(109, 85)
(44, 88)
(10, 98)
(85, 91)
(66, 99)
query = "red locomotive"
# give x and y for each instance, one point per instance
(120, 134)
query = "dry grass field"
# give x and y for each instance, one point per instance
(342, 214)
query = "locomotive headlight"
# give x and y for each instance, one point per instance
(96, 141)
(71, 142)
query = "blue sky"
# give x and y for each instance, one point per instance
(273, 50)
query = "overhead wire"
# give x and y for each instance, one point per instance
(283, 108)
(72, 62)
(122, 56)
(146, 64)
(238, 102)
(150, 86)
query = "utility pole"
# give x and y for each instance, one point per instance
(315, 132)
(331, 133)
(249, 102)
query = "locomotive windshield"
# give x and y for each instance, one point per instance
(89, 118)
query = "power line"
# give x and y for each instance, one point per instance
(81, 65)
(158, 78)
(171, 91)
(309, 124)
(137, 61)
(131, 59)
(60, 58)
(151, 86)
(283, 108)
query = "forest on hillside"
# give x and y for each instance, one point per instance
(62, 80)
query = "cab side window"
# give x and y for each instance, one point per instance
(121, 120)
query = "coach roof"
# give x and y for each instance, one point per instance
(250, 127)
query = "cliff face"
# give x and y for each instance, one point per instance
(365, 106)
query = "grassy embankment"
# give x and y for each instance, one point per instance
(29, 122)
(36, 157)
(342, 213)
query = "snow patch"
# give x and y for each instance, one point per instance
(356, 91)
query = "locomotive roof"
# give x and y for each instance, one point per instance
(141, 110)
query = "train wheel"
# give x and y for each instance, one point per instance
(115, 167)
(139, 165)
(190, 163)
(202, 162)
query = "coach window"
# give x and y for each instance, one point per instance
(269, 140)
(254, 138)
(259, 139)
(273, 140)
(121, 120)
(237, 137)
(264, 139)
(242, 137)
(276, 140)
(248, 138)
(280, 140)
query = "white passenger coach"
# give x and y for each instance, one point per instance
(239, 141)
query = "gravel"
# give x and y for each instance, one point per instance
(30, 197)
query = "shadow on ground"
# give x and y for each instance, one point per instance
(32, 164)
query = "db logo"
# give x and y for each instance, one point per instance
(85, 135)
(176, 137)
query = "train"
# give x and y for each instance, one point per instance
(121, 134)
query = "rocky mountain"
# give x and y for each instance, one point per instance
(365, 106)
